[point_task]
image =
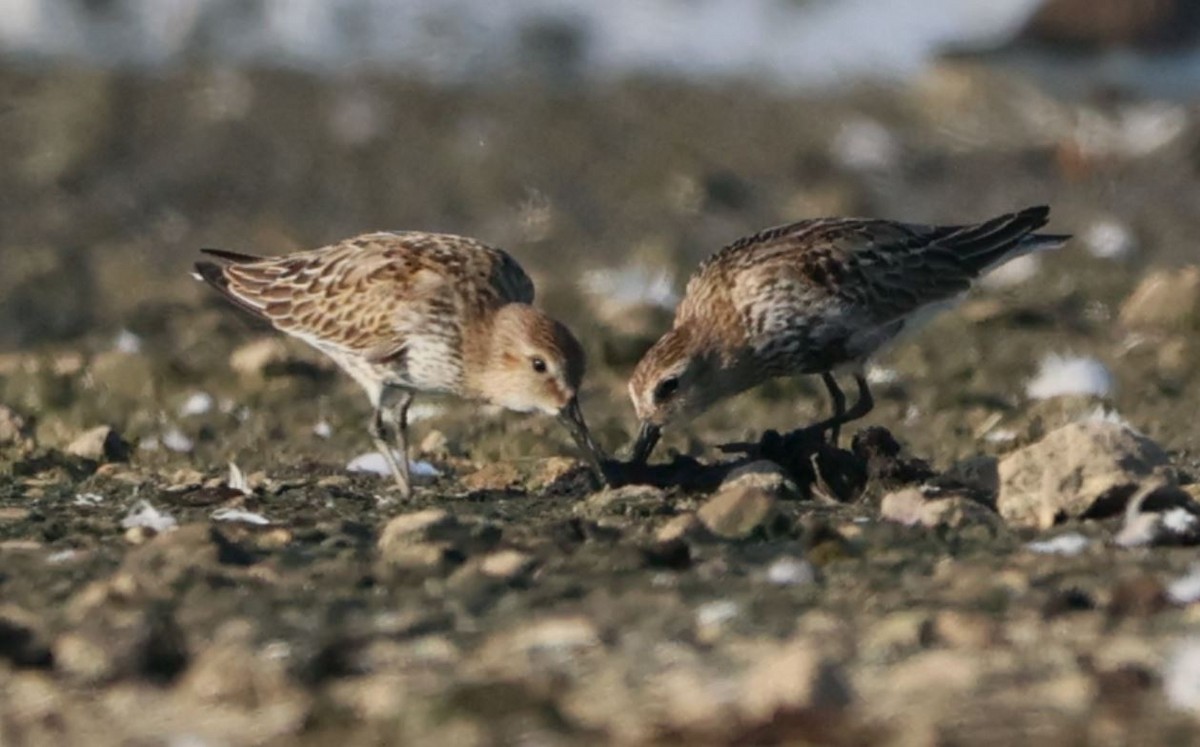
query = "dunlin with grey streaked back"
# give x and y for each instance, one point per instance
(813, 297)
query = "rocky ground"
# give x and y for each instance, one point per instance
(1005, 554)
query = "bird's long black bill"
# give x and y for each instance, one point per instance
(647, 439)
(571, 416)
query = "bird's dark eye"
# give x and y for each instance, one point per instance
(666, 388)
(538, 364)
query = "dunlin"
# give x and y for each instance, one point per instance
(813, 297)
(411, 312)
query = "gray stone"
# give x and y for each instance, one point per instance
(1074, 470)
(735, 513)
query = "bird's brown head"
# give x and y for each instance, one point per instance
(535, 364)
(676, 380)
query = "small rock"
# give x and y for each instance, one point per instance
(507, 565)
(738, 512)
(144, 514)
(791, 571)
(1070, 376)
(420, 526)
(1181, 675)
(13, 427)
(176, 440)
(912, 507)
(549, 471)
(100, 443)
(712, 618)
(435, 445)
(1109, 238)
(139, 535)
(1165, 299)
(1082, 469)
(630, 500)
(1069, 544)
(684, 526)
(1186, 589)
(497, 476)
(762, 474)
(199, 403)
(796, 677)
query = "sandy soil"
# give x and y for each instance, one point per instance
(509, 601)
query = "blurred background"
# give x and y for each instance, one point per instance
(609, 146)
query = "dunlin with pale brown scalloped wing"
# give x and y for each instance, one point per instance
(412, 312)
(811, 298)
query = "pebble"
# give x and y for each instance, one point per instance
(12, 426)
(761, 474)
(373, 463)
(1165, 299)
(1181, 675)
(736, 513)
(1186, 589)
(1070, 470)
(911, 507)
(1068, 375)
(1071, 543)
(713, 617)
(418, 526)
(240, 515)
(494, 476)
(684, 526)
(507, 564)
(791, 571)
(199, 403)
(1109, 238)
(628, 500)
(101, 442)
(144, 515)
(176, 440)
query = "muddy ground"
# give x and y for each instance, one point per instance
(510, 601)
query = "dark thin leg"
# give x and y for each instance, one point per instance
(862, 406)
(865, 402)
(839, 406)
